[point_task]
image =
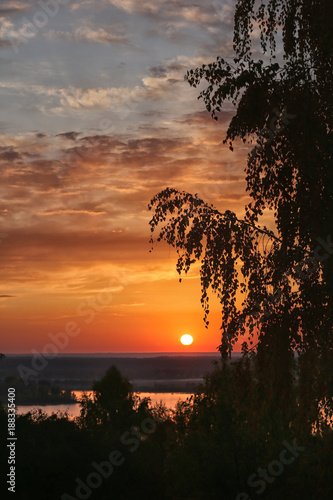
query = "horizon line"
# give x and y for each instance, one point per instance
(154, 353)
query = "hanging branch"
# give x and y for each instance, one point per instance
(222, 243)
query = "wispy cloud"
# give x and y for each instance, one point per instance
(13, 7)
(91, 35)
(72, 136)
(75, 98)
(72, 211)
(9, 34)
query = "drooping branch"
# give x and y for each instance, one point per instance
(226, 247)
(171, 200)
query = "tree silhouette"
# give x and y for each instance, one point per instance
(113, 404)
(284, 109)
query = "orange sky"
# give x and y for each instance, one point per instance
(97, 119)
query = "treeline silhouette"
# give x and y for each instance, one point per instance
(39, 392)
(222, 443)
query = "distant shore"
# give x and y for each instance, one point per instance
(60, 376)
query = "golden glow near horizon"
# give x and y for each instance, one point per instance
(186, 339)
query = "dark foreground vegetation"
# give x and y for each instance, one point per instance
(226, 442)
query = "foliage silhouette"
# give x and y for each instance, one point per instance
(284, 108)
(52, 451)
(205, 450)
(225, 434)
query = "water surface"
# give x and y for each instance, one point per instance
(170, 399)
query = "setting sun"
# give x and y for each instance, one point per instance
(186, 339)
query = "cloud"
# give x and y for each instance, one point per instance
(86, 203)
(5, 43)
(99, 98)
(134, 304)
(7, 296)
(82, 4)
(13, 7)
(203, 118)
(196, 13)
(163, 80)
(147, 6)
(71, 212)
(169, 8)
(180, 20)
(16, 34)
(9, 35)
(72, 136)
(65, 99)
(158, 83)
(59, 245)
(8, 154)
(158, 71)
(91, 35)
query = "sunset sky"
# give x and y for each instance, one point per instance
(96, 119)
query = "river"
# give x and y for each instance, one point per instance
(170, 399)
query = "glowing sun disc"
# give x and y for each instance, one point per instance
(186, 339)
